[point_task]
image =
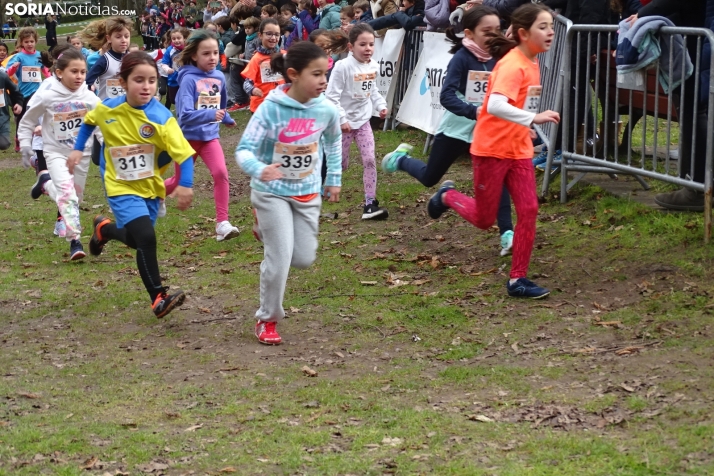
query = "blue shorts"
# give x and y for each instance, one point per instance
(127, 208)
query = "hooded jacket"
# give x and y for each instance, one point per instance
(282, 123)
(201, 94)
(61, 111)
(330, 17)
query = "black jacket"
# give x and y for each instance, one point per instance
(682, 13)
(588, 12)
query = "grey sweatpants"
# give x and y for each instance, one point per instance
(288, 229)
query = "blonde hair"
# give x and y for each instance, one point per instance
(95, 34)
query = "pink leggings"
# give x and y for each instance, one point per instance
(212, 155)
(365, 143)
(490, 174)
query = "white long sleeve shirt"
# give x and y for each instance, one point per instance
(353, 89)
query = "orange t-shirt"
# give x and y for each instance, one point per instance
(517, 78)
(264, 78)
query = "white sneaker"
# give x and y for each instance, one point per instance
(226, 231)
(506, 243)
(162, 209)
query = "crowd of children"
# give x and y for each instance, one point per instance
(307, 110)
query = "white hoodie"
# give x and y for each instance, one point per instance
(62, 113)
(353, 89)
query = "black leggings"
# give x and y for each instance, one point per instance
(139, 234)
(444, 151)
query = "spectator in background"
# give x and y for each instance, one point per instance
(329, 14)
(409, 16)
(347, 18)
(225, 31)
(151, 9)
(13, 27)
(383, 8)
(51, 35)
(363, 12)
(268, 11)
(305, 23)
(692, 13)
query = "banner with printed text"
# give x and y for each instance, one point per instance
(386, 53)
(421, 107)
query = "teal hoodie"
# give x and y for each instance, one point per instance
(287, 131)
(330, 17)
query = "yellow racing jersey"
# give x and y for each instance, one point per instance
(139, 143)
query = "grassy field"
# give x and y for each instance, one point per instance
(424, 365)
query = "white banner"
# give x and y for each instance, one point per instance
(421, 107)
(386, 54)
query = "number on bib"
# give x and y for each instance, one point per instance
(114, 89)
(31, 74)
(476, 86)
(267, 75)
(533, 98)
(133, 162)
(297, 161)
(67, 124)
(208, 102)
(362, 84)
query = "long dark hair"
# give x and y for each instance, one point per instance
(523, 17)
(298, 57)
(472, 18)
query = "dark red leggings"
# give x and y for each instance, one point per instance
(490, 175)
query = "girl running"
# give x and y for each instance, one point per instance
(353, 90)
(116, 33)
(141, 137)
(62, 106)
(281, 149)
(462, 94)
(259, 78)
(170, 64)
(76, 42)
(200, 107)
(26, 65)
(502, 154)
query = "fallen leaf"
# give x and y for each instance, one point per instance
(629, 350)
(31, 396)
(627, 388)
(368, 283)
(90, 463)
(616, 324)
(419, 282)
(481, 418)
(227, 469)
(340, 355)
(193, 428)
(391, 441)
(514, 346)
(308, 371)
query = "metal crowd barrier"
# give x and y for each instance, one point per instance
(551, 77)
(411, 49)
(597, 95)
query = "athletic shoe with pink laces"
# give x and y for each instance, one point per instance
(267, 333)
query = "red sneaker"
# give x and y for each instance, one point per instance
(238, 107)
(267, 333)
(256, 230)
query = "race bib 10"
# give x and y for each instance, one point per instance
(133, 162)
(31, 74)
(297, 161)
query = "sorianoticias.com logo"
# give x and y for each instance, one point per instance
(71, 8)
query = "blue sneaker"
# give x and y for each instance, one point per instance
(526, 288)
(390, 162)
(76, 251)
(541, 158)
(557, 159)
(435, 206)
